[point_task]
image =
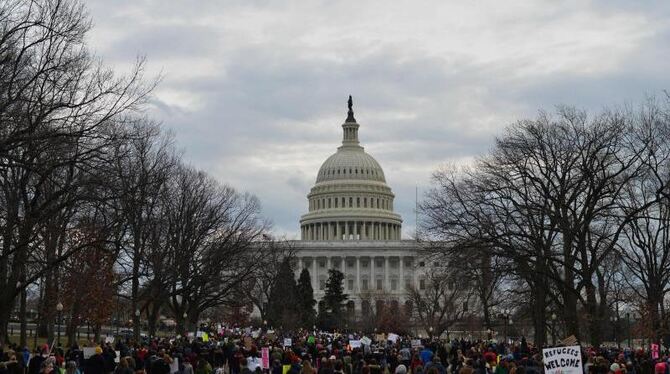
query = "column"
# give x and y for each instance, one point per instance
(329, 263)
(343, 268)
(373, 281)
(315, 283)
(401, 266)
(358, 274)
(386, 274)
(338, 232)
(346, 230)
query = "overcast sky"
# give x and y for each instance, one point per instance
(255, 91)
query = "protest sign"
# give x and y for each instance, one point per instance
(174, 366)
(562, 360)
(248, 342)
(288, 342)
(117, 358)
(285, 369)
(109, 339)
(392, 337)
(416, 343)
(654, 351)
(355, 343)
(265, 357)
(88, 352)
(366, 341)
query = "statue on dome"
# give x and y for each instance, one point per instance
(350, 114)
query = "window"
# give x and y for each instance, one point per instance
(351, 202)
(379, 263)
(350, 284)
(394, 284)
(364, 284)
(379, 284)
(328, 202)
(342, 202)
(422, 284)
(358, 202)
(365, 202)
(408, 284)
(364, 264)
(422, 264)
(322, 264)
(322, 284)
(336, 202)
(350, 263)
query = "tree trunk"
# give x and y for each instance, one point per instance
(23, 340)
(539, 296)
(568, 291)
(5, 315)
(593, 317)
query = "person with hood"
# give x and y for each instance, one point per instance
(35, 363)
(96, 363)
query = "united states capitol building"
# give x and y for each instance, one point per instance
(350, 226)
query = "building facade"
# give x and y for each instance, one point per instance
(350, 226)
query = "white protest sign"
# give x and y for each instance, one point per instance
(109, 339)
(88, 352)
(393, 337)
(288, 342)
(118, 356)
(416, 343)
(366, 341)
(355, 343)
(562, 360)
(174, 366)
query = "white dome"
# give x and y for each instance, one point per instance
(350, 199)
(350, 163)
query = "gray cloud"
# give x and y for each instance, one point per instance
(255, 91)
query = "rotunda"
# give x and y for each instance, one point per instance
(350, 199)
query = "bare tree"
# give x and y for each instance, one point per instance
(443, 301)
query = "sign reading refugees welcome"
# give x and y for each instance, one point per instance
(562, 360)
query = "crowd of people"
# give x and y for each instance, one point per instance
(243, 351)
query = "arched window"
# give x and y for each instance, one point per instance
(351, 202)
(408, 308)
(358, 202)
(365, 308)
(379, 307)
(351, 307)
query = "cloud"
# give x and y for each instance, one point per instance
(255, 91)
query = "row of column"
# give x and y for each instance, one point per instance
(314, 271)
(351, 231)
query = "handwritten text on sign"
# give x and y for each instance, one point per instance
(562, 360)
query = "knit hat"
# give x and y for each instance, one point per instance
(401, 369)
(98, 350)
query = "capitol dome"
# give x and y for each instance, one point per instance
(350, 199)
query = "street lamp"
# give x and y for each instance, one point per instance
(138, 328)
(628, 328)
(59, 308)
(614, 323)
(430, 332)
(553, 328)
(506, 313)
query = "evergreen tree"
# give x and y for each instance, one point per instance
(283, 304)
(332, 307)
(306, 301)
